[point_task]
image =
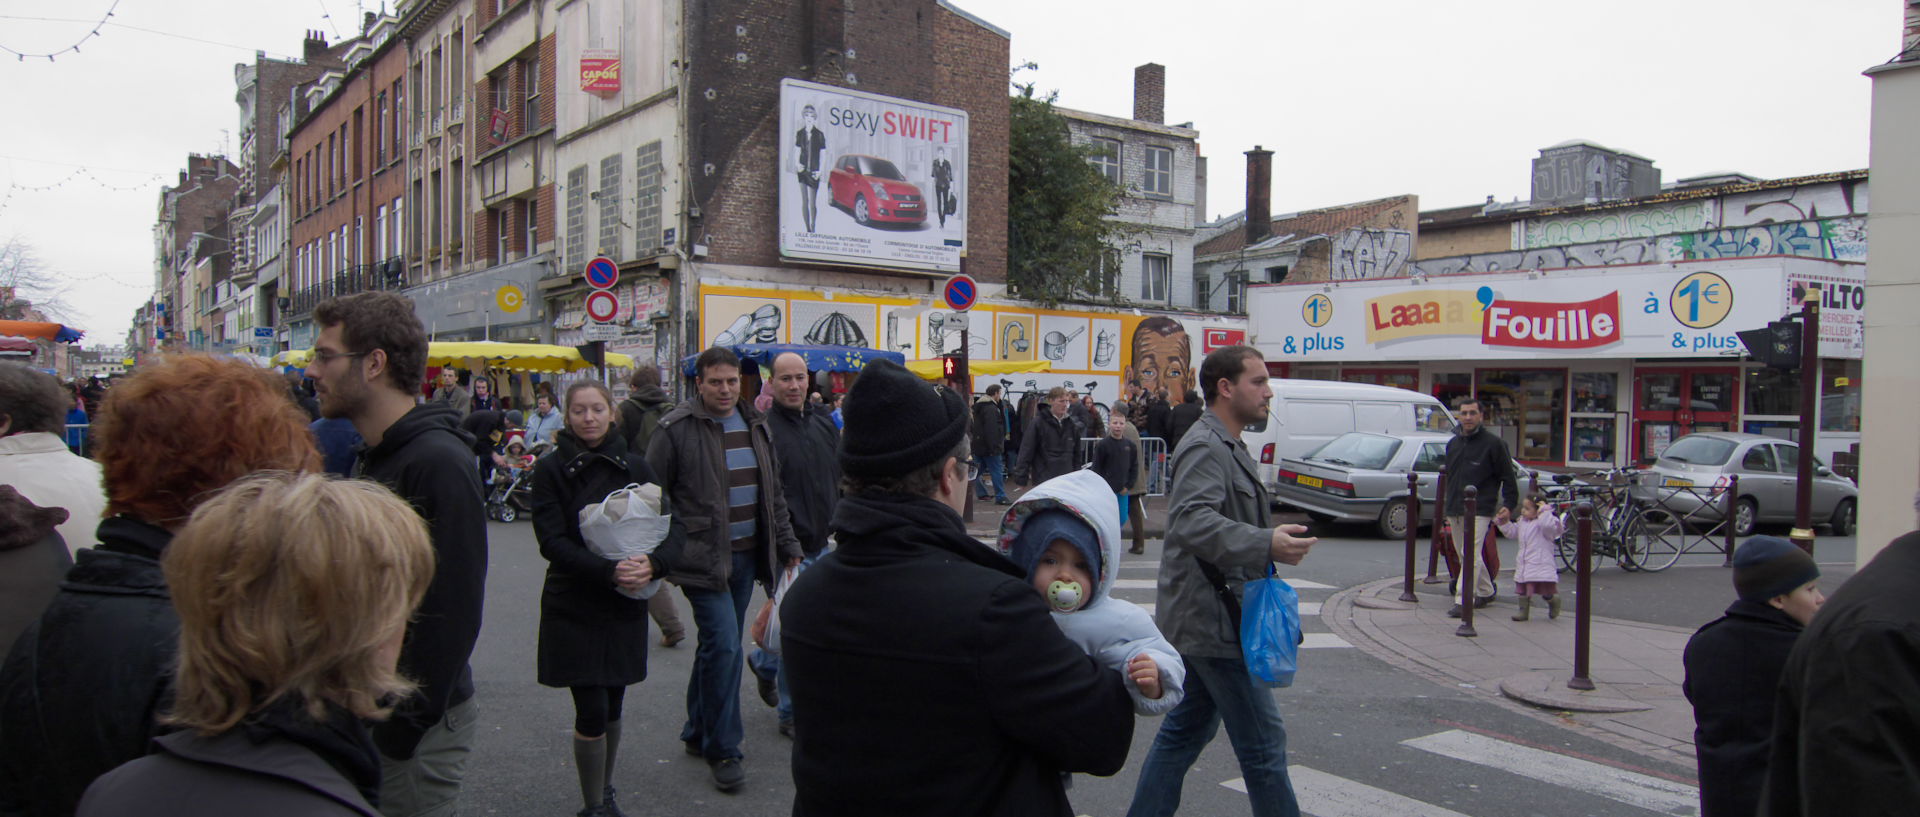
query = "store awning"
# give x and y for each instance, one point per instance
(42, 329)
(933, 368)
(512, 357)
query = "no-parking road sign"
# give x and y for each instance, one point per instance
(960, 292)
(602, 273)
(602, 305)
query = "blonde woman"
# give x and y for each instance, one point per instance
(293, 593)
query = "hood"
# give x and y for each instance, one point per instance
(1086, 495)
(648, 394)
(23, 523)
(422, 419)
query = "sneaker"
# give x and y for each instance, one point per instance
(769, 692)
(693, 749)
(1482, 601)
(1003, 501)
(672, 639)
(1453, 612)
(729, 775)
(609, 806)
(786, 729)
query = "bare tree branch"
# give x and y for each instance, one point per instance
(26, 283)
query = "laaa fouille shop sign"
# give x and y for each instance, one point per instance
(871, 180)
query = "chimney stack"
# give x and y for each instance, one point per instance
(1259, 213)
(315, 46)
(1150, 93)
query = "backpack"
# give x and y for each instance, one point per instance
(640, 422)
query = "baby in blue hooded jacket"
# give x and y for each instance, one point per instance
(1065, 533)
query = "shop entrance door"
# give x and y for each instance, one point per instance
(1672, 403)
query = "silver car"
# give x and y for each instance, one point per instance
(1769, 470)
(1361, 476)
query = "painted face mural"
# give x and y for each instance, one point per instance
(1162, 355)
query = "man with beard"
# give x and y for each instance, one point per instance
(807, 445)
(1219, 536)
(1052, 443)
(928, 678)
(368, 362)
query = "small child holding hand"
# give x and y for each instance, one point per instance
(1533, 572)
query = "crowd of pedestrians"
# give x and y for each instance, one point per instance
(270, 607)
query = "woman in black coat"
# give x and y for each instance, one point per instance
(593, 639)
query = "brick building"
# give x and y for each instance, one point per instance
(190, 252)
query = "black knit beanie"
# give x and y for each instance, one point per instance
(1768, 566)
(897, 423)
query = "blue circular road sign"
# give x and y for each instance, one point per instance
(960, 293)
(602, 273)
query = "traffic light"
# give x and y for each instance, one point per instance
(1777, 346)
(954, 368)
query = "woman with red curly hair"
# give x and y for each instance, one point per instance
(79, 691)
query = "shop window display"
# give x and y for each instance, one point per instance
(1592, 428)
(1527, 408)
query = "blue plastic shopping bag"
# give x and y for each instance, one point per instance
(1270, 630)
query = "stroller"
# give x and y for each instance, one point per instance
(510, 492)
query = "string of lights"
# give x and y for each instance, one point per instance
(75, 48)
(79, 175)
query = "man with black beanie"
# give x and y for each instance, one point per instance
(927, 676)
(1734, 665)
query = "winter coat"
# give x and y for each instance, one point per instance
(590, 634)
(1116, 461)
(929, 679)
(689, 460)
(1218, 511)
(287, 767)
(542, 428)
(337, 439)
(457, 398)
(1051, 447)
(1110, 629)
(1733, 668)
(39, 465)
(1480, 459)
(1180, 419)
(640, 416)
(80, 689)
(426, 459)
(1138, 485)
(989, 428)
(1159, 416)
(808, 446)
(1535, 561)
(1846, 732)
(33, 560)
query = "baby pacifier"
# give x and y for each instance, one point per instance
(1064, 596)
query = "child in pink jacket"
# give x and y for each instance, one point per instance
(1533, 571)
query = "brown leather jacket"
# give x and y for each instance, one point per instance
(689, 460)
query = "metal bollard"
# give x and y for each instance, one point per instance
(1413, 532)
(1439, 522)
(1583, 603)
(1733, 505)
(1467, 557)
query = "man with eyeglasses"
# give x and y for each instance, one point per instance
(368, 363)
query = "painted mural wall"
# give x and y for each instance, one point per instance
(1089, 351)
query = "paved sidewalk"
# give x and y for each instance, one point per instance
(1636, 668)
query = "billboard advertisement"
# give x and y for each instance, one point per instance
(871, 180)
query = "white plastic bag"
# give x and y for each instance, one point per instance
(767, 630)
(628, 523)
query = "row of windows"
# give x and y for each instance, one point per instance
(1156, 175)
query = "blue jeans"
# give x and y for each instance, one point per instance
(992, 466)
(767, 664)
(713, 687)
(1219, 689)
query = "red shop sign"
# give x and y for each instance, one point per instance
(1549, 325)
(600, 70)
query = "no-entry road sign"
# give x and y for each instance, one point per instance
(602, 305)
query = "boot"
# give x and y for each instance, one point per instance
(611, 806)
(590, 761)
(1553, 607)
(1526, 609)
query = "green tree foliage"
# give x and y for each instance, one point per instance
(1058, 209)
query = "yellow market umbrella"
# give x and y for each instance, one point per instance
(513, 357)
(932, 368)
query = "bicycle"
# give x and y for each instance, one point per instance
(1629, 526)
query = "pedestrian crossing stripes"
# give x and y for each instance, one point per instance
(1327, 795)
(1619, 785)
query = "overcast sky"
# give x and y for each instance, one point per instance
(1358, 100)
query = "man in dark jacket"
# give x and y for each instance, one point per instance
(808, 447)
(1477, 457)
(640, 417)
(990, 445)
(1846, 731)
(1159, 413)
(1051, 446)
(369, 359)
(1733, 668)
(928, 678)
(1182, 417)
(716, 462)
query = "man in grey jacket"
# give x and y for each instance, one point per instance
(715, 461)
(1218, 521)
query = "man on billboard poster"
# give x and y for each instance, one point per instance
(943, 202)
(808, 144)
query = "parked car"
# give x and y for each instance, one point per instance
(1305, 414)
(873, 189)
(1769, 470)
(1361, 476)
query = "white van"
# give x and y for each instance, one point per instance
(1307, 413)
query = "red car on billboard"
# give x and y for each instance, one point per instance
(873, 189)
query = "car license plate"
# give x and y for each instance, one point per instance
(1676, 482)
(1310, 482)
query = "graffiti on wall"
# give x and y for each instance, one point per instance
(1363, 254)
(1840, 239)
(1824, 201)
(1642, 222)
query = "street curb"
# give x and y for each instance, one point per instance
(1337, 613)
(1549, 690)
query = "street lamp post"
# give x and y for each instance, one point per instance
(1809, 416)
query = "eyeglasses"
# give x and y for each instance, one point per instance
(973, 470)
(323, 357)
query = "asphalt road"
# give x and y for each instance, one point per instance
(1350, 716)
